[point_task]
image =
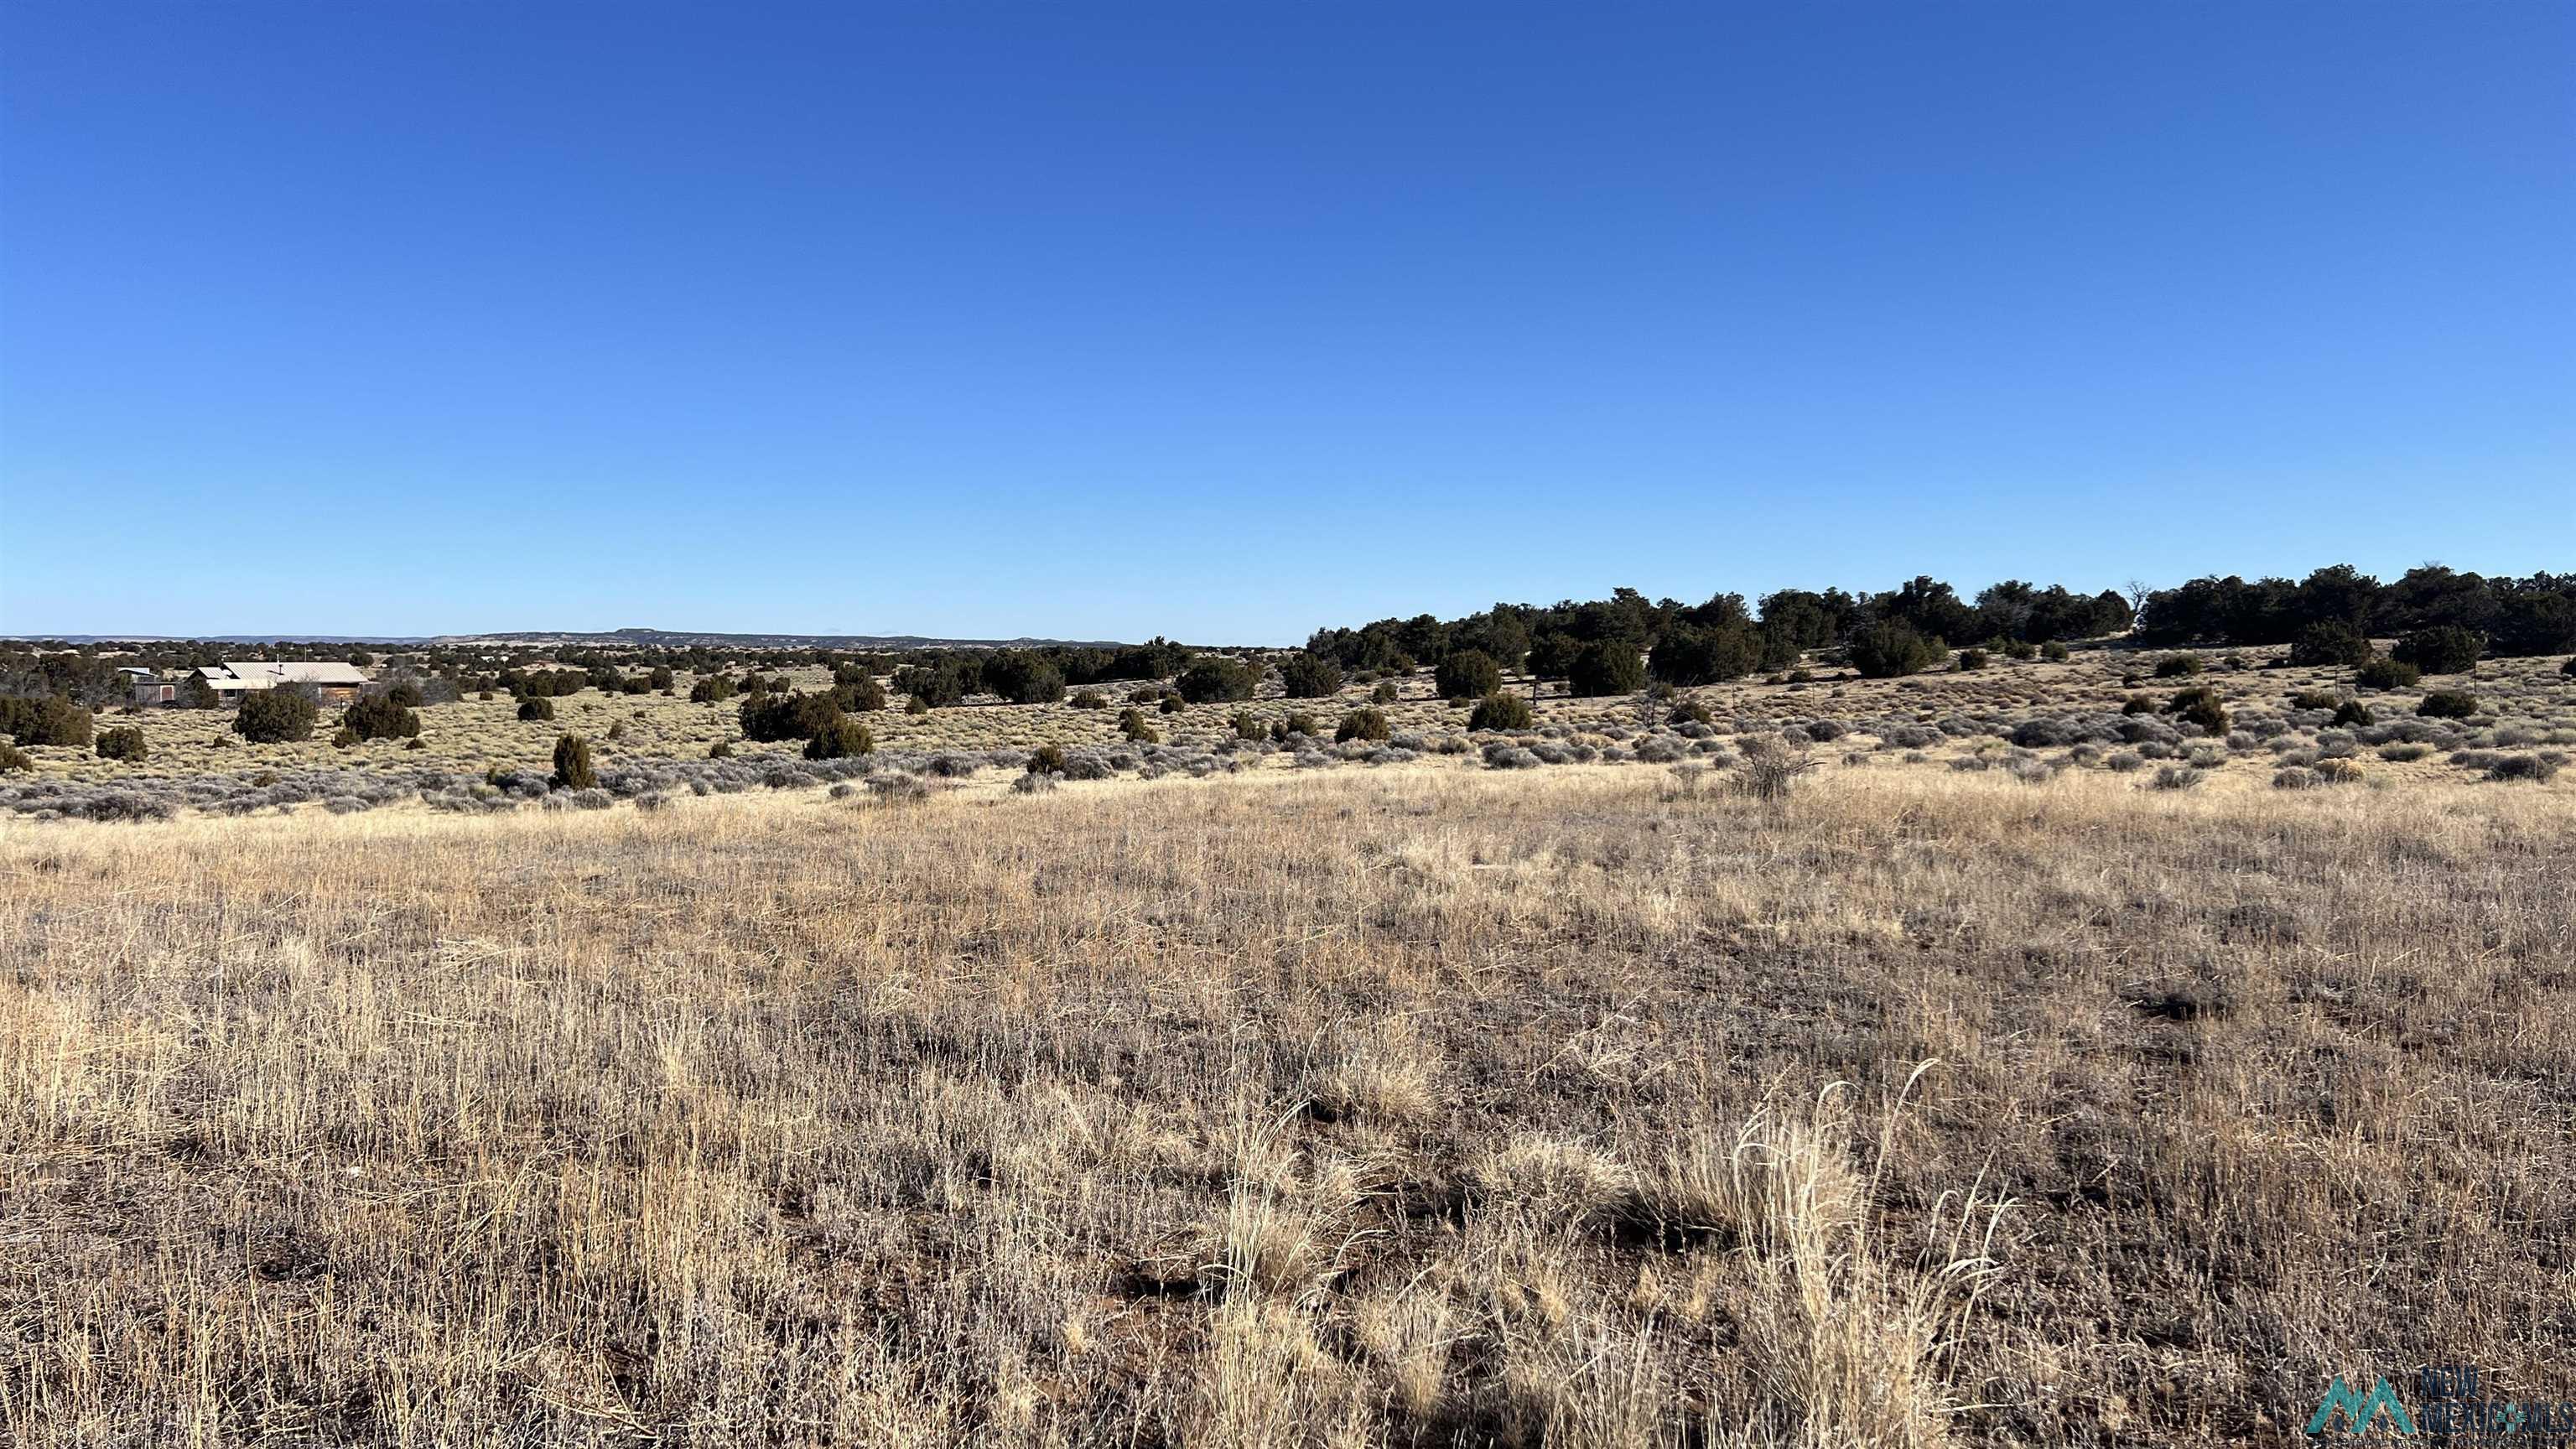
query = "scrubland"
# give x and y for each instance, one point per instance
(1421, 1103)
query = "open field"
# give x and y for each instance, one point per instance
(1424, 1104)
(2016, 715)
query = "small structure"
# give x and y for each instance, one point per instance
(331, 681)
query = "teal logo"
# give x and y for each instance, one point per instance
(2360, 1411)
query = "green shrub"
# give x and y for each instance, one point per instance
(714, 689)
(1605, 667)
(2201, 705)
(2053, 652)
(377, 717)
(2386, 673)
(1692, 711)
(1248, 726)
(1361, 724)
(51, 720)
(720, 750)
(2313, 699)
(916, 705)
(661, 678)
(1889, 649)
(1211, 681)
(2019, 649)
(1296, 724)
(14, 758)
(1023, 677)
(2568, 668)
(1046, 760)
(841, 738)
(1310, 676)
(1091, 699)
(2353, 712)
(1171, 704)
(769, 718)
(1969, 659)
(1385, 693)
(2330, 645)
(572, 765)
(1467, 674)
(2443, 649)
(2448, 704)
(123, 743)
(1499, 711)
(2178, 666)
(536, 707)
(274, 716)
(864, 695)
(343, 737)
(1131, 723)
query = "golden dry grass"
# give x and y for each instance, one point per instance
(1418, 1106)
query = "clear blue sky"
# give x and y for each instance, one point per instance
(1226, 321)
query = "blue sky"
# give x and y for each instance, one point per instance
(1227, 321)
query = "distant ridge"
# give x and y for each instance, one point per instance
(638, 638)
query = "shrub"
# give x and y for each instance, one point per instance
(1500, 711)
(1889, 649)
(1362, 724)
(14, 758)
(2019, 649)
(2200, 705)
(572, 765)
(51, 720)
(2538, 769)
(1212, 680)
(714, 689)
(1131, 723)
(1467, 674)
(1686, 654)
(274, 716)
(2386, 673)
(2053, 652)
(123, 743)
(1606, 666)
(1296, 724)
(2569, 668)
(1023, 678)
(2177, 666)
(2175, 777)
(378, 717)
(1091, 699)
(2313, 699)
(769, 718)
(536, 707)
(1247, 726)
(916, 705)
(720, 750)
(1171, 704)
(1970, 659)
(343, 737)
(1385, 693)
(842, 738)
(2448, 704)
(1690, 711)
(2352, 712)
(864, 695)
(1046, 760)
(2443, 649)
(2329, 644)
(1771, 766)
(1310, 676)
(2138, 704)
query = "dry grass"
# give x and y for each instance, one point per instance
(1426, 1105)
